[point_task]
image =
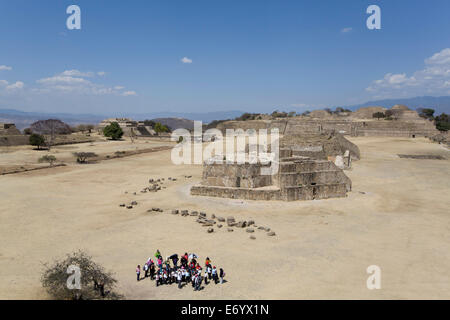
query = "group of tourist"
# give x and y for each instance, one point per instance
(168, 271)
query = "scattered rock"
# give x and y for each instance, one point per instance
(271, 234)
(219, 226)
(210, 230)
(261, 228)
(250, 222)
(221, 219)
(122, 205)
(252, 237)
(267, 229)
(250, 230)
(230, 229)
(202, 214)
(241, 224)
(129, 207)
(194, 213)
(230, 221)
(213, 216)
(175, 211)
(134, 203)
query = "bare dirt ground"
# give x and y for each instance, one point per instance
(21, 158)
(396, 217)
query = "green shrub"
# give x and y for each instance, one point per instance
(378, 115)
(47, 158)
(159, 127)
(37, 140)
(113, 131)
(442, 122)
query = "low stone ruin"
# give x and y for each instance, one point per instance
(402, 123)
(11, 136)
(298, 178)
(129, 127)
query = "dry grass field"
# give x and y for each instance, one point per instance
(396, 217)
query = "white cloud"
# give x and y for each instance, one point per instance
(63, 79)
(101, 73)
(346, 30)
(129, 93)
(3, 67)
(186, 60)
(77, 73)
(3, 83)
(442, 57)
(74, 81)
(16, 85)
(432, 80)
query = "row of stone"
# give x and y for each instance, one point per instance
(128, 206)
(230, 221)
(155, 185)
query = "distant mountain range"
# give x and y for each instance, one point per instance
(180, 119)
(23, 119)
(439, 104)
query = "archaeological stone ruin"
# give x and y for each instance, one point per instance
(11, 136)
(307, 170)
(129, 127)
(402, 123)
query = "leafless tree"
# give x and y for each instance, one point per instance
(95, 282)
(83, 156)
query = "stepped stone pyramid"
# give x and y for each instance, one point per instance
(298, 178)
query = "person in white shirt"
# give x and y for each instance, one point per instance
(179, 279)
(209, 272)
(146, 270)
(214, 275)
(186, 276)
(206, 275)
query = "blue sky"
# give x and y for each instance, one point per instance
(255, 56)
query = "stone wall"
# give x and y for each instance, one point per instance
(7, 129)
(315, 192)
(14, 140)
(236, 193)
(406, 124)
(235, 175)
